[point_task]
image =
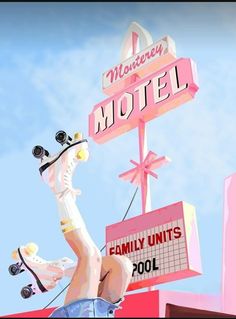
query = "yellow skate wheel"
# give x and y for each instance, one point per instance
(82, 155)
(31, 249)
(14, 255)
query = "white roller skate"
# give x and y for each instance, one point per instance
(57, 170)
(44, 274)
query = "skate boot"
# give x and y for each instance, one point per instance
(86, 308)
(57, 170)
(44, 274)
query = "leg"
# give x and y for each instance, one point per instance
(85, 281)
(116, 274)
(81, 299)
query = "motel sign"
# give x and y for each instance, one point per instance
(163, 244)
(148, 98)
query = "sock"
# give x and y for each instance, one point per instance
(69, 214)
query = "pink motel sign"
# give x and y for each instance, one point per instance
(162, 244)
(150, 97)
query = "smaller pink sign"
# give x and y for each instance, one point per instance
(141, 64)
(163, 245)
(146, 99)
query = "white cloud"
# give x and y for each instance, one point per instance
(70, 81)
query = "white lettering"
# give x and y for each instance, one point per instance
(142, 94)
(104, 117)
(157, 86)
(174, 79)
(127, 101)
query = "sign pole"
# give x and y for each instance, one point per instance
(145, 187)
(143, 175)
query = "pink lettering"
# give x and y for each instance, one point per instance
(153, 52)
(137, 60)
(142, 59)
(114, 73)
(122, 70)
(126, 70)
(159, 49)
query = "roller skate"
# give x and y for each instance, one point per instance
(57, 170)
(44, 274)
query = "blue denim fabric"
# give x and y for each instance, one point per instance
(86, 308)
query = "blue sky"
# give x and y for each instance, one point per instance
(51, 61)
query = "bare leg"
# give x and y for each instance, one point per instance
(116, 273)
(86, 278)
(115, 276)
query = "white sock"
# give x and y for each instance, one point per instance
(70, 217)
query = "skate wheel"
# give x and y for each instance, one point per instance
(14, 269)
(26, 292)
(31, 249)
(14, 255)
(78, 136)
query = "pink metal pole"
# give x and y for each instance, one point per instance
(149, 161)
(134, 42)
(142, 144)
(145, 191)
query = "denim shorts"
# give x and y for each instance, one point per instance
(87, 308)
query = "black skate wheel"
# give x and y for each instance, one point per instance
(39, 152)
(14, 269)
(26, 292)
(62, 138)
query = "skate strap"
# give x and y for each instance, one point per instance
(39, 283)
(45, 166)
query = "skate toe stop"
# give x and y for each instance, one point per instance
(82, 155)
(31, 249)
(78, 136)
(14, 255)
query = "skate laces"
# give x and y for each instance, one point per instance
(35, 260)
(30, 257)
(69, 190)
(64, 176)
(68, 176)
